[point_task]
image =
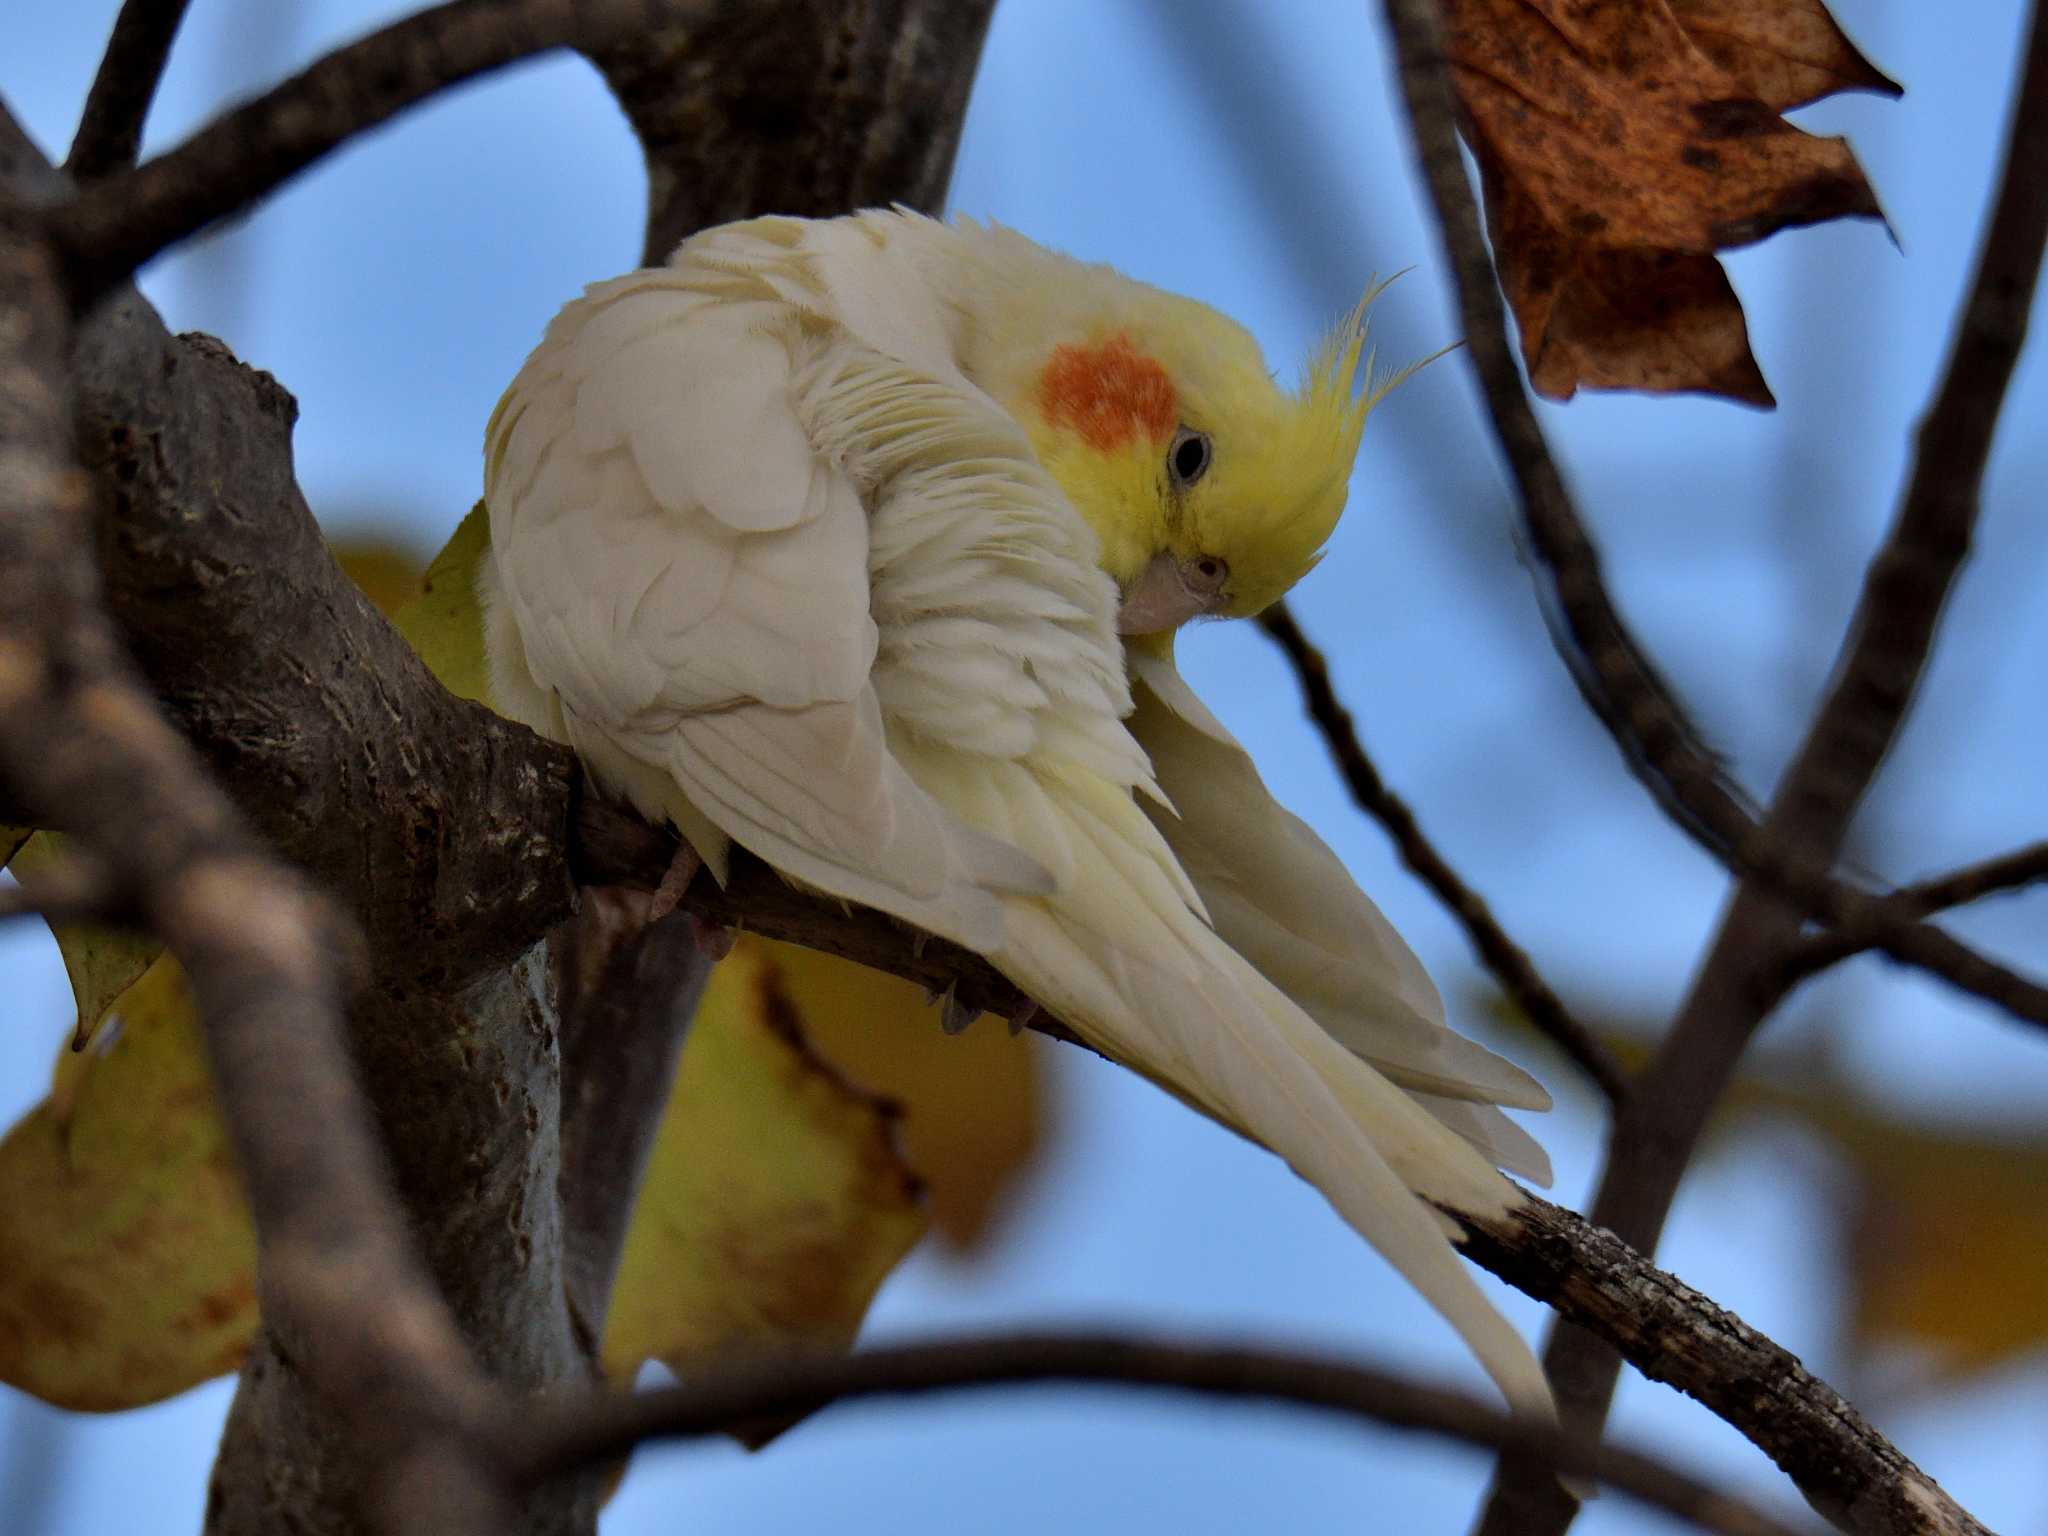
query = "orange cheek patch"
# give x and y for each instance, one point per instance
(1109, 393)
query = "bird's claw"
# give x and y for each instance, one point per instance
(954, 1015)
(682, 869)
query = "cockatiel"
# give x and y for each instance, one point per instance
(862, 542)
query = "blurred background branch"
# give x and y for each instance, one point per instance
(1609, 935)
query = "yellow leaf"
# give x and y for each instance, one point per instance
(445, 622)
(975, 1105)
(101, 962)
(1946, 1237)
(388, 573)
(775, 1201)
(130, 1264)
(1949, 1251)
(11, 839)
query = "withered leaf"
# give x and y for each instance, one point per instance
(1618, 151)
(1786, 53)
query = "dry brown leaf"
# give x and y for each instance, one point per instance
(1785, 52)
(975, 1105)
(1617, 155)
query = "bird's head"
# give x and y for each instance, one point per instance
(1211, 488)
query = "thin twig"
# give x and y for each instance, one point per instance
(110, 128)
(1736, 986)
(1509, 962)
(1672, 1333)
(1908, 581)
(115, 225)
(591, 1433)
(1612, 671)
(2004, 875)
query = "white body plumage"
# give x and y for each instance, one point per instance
(768, 552)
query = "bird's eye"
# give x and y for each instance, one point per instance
(1188, 459)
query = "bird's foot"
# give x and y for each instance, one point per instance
(954, 1015)
(682, 869)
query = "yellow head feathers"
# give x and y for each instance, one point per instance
(1282, 462)
(1212, 489)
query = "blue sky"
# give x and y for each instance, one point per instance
(1251, 156)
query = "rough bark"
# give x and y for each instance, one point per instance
(808, 107)
(442, 828)
(1671, 1333)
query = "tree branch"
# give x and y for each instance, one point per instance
(1743, 977)
(113, 226)
(110, 128)
(593, 1433)
(446, 828)
(82, 746)
(627, 991)
(844, 104)
(1509, 962)
(1611, 669)
(2003, 875)
(1670, 1332)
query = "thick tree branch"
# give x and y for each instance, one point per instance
(1509, 962)
(445, 828)
(110, 128)
(1612, 672)
(583, 1434)
(840, 104)
(83, 748)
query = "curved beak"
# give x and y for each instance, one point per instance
(1169, 592)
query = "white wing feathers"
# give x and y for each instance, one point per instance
(1279, 897)
(788, 578)
(690, 585)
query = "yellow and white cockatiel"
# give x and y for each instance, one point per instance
(861, 543)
